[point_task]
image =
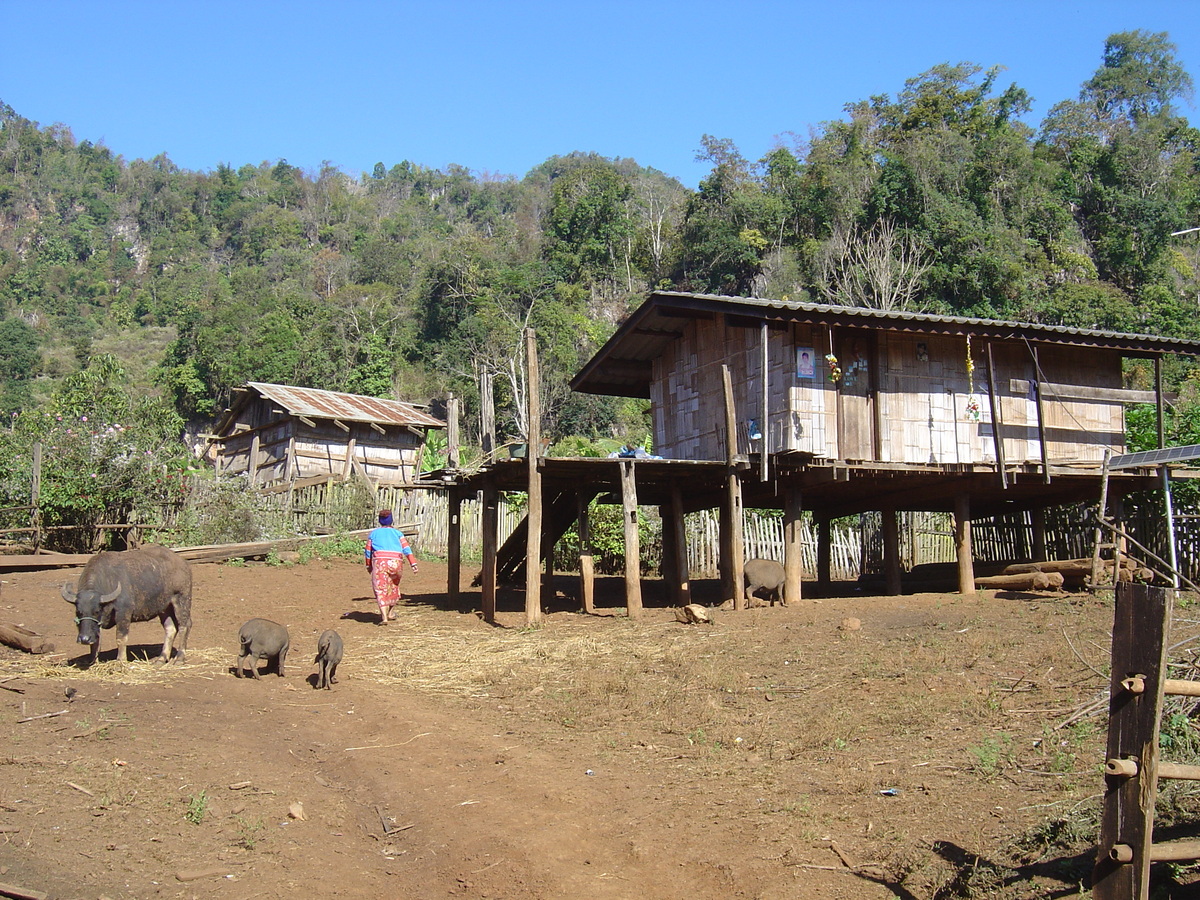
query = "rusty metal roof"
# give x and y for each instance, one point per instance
(623, 366)
(318, 404)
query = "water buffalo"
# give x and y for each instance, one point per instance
(262, 639)
(329, 654)
(766, 575)
(117, 588)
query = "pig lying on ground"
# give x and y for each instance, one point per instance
(329, 654)
(766, 575)
(262, 639)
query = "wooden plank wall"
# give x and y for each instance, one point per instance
(922, 402)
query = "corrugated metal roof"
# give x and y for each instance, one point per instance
(930, 319)
(318, 404)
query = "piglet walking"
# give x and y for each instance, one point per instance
(329, 654)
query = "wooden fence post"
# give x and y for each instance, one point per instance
(1140, 624)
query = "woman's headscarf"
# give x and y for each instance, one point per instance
(385, 517)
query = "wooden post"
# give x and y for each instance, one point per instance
(490, 526)
(254, 461)
(1140, 625)
(891, 553)
(997, 419)
(1041, 416)
(587, 562)
(732, 544)
(533, 453)
(1037, 523)
(1158, 401)
(962, 544)
(633, 547)
(793, 548)
(453, 544)
(682, 585)
(348, 468)
(668, 566)
(824, 554)
(35, 496)
(1098, 540)
(1169, 510)
(289, 463)
(452, 433)
(764, 409)
(487, 417)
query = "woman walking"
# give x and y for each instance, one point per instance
(384, 554)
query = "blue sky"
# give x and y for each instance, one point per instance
(499, 87)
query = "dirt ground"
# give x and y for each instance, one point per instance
(858, 748)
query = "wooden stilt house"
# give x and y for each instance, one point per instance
(834, 411)
(276, 434)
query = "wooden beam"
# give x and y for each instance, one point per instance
(307, 421)
(533, 542)
(1083, 392)
(342, 425)
(375, 427)
(633, 547)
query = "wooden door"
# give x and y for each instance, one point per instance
(856, 395)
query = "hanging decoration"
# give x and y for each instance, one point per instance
(835, 369)
(974, 410)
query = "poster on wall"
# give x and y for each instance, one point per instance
(805, 365)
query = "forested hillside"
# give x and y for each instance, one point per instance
(409, 281)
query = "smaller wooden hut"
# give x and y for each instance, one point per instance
(277, 434)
